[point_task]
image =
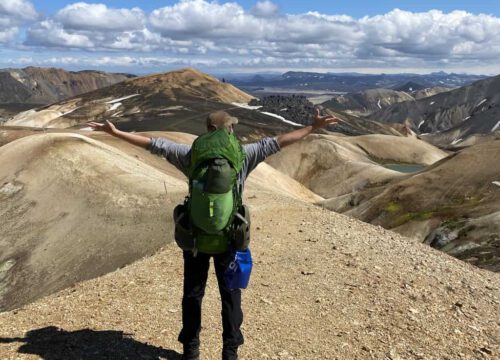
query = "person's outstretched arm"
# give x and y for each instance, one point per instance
(109, 128)
(177, 154)
(296, 135)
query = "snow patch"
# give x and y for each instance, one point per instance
(432, 103)
(246, 106)
(482, 102)
(495, 127)
(10, 189)
(467, 118)
(88, 128)
(456, 141)
(115, 106)
(421, 123)
(497, 183)
(70, 111)
(122, 98)
(18, 77)
(378, 104)
(281, 118)
(284, 109)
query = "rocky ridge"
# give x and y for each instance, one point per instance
(33, 85)
(175, 101)
(298, 109)
(366, 102)
(449, 118)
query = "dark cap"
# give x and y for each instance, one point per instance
(221, 119)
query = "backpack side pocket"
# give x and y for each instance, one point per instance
(183, 232)
(241, 229)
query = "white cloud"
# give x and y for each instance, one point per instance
(202, 19)
(8, 34)
(116, 61)
(18, 10)
(213, 30)
(50, 34)
(265, 8)
(14, 13)
(83, 16)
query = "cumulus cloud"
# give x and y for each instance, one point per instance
(18, 10)
(14, 13)
(94, 27)
(202, 19)
(83, 16)
(7, 35)
(265, 8)
(262, 36)
(50, 34)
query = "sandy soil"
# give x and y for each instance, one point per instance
(324, 286)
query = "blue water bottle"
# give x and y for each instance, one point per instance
(237, 274)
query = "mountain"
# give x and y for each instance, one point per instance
(427, 92)
(174, 101)
(366, 102)
(452, 204)
(452, 116)
(409, 87)
(33, 85)
(298, 109)
(349, 82)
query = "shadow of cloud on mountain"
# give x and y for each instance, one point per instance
(52, 343)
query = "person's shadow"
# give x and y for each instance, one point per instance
(52, 343)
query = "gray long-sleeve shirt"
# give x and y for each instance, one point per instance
(179, 155)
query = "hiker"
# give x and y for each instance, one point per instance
(196, 263)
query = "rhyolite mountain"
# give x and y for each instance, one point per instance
(34, 85)
(366, 102)
(450, 117)
(180, 101)
(452, 203)
(75, 207)
(174, 101)
(297, 108)
(370, 293)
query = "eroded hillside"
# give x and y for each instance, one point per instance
(452, 204)
(73, 208)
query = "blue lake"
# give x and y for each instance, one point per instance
(405, 168)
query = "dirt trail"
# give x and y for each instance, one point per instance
(324, 286)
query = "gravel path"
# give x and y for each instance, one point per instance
(324, 286)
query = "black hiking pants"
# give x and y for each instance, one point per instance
(195, 280)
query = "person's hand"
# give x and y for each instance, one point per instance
(106, 127)
(322, 121)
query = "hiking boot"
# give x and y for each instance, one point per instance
(230, 353)
(191, 353)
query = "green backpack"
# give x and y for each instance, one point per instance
(214, 198)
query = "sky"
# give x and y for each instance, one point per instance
(253, 36)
